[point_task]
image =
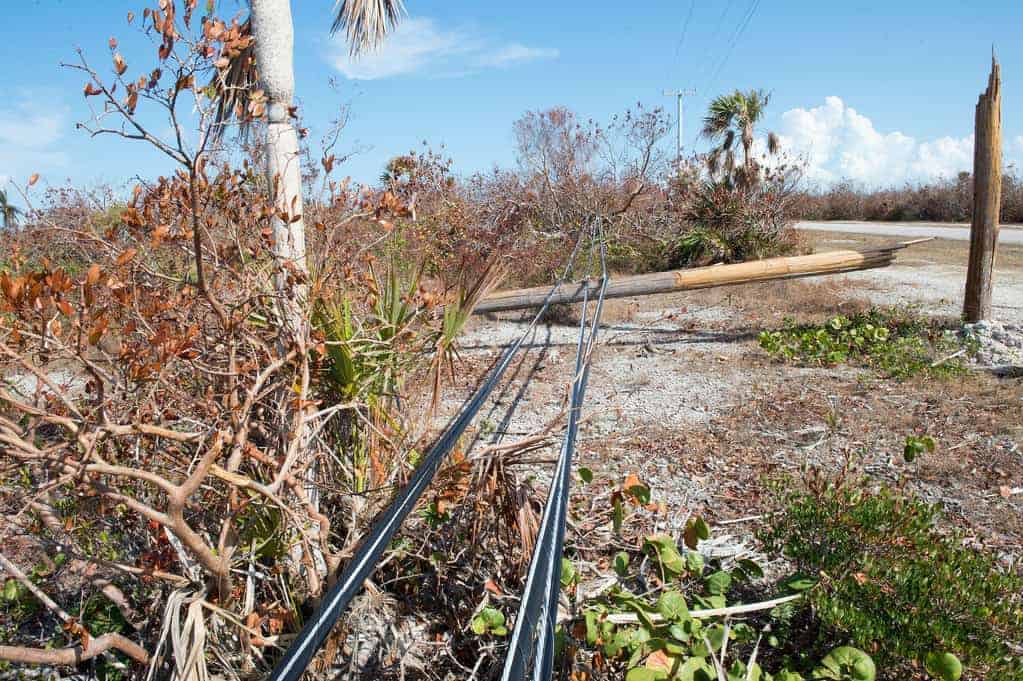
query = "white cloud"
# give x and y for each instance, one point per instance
(515, 53)
(418, 45)
(837, 143)
(29, 132)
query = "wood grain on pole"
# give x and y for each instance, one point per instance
(987, 199)
(770, 269)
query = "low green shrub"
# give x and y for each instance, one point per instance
(668, 641)
(653, 624)
(701, 246)
(893, 583)
(895, 342)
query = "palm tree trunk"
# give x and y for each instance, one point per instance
(274, 40)
(274, 49)
(747, 147)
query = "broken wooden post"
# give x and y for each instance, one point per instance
(770, 269)
(987, 199)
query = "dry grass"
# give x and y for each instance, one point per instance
(772, 301)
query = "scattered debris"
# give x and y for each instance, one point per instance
(999, 345)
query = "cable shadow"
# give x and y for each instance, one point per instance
(509, 412)
(654, 337)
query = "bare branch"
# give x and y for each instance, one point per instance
(76, 654)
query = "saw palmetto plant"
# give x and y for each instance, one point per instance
(368, 352)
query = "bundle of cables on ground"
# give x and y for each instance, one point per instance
(531, 650)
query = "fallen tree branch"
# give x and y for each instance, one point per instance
(629, 618)
(77, 654)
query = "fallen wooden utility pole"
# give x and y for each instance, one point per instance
(770, 269)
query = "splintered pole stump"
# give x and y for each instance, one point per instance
(987, 199)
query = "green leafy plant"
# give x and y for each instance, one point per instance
(569, 575)
(365, 351)
(368, 350)
(895, 343)
(17, 600)
(917, 445)
(99, 616)
(893, 582)
(943, 666)
(489, 621)
(652, 624)
(263, 530)
(846, 664)
(434, 515)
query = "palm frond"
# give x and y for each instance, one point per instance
(773, 144)
(721, 113)
(366, 22)
(758, 99)
(456, 314)
(754, 104)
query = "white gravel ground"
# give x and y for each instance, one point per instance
(644, 372)
(662, 369)
(938, 289)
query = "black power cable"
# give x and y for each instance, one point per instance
(533, 636)
(298, 656)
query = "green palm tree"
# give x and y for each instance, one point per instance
(731, 122)
(8, 212)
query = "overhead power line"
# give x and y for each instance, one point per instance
(681, 39)
(736, 37)
(709, 85)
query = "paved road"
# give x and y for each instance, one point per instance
(912, 230)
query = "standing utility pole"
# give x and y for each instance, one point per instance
(679, 94)
(987, 198)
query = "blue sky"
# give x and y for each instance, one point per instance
(878, 92)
